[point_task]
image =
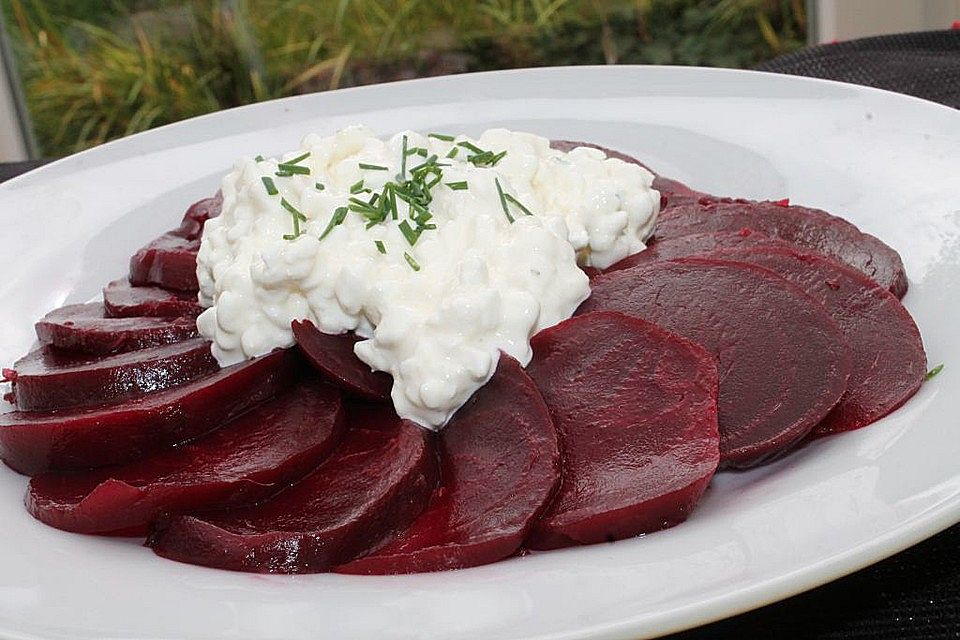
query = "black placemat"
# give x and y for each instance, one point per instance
(924, 64)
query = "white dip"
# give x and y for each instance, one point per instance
(437, 312)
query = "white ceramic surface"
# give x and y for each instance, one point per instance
(889, 163)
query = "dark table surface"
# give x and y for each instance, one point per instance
(914, 595)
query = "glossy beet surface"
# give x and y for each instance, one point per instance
(245, 460)
(48, 378)
(123, 300)
(83, 327)
(499, 462)
(375, 483)
(333, 357)
(783, 361)
(697, 244)
(811, 229)
(636, 410)
(71, 439)
(888, 357)
(170, 261)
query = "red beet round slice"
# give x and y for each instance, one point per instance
(636, 410)
(783, 361)
(888, 357)
(123, 300)
(170, 262)
(375, 483)
(191, 227)
(499, 466)
(83, 327)
(697, 244)
(333, 357)
(811, 229)
(246, 460)
(48, 378)
(33, 442)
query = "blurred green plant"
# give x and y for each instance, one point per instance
(94, 70)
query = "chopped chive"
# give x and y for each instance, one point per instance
(356, 187)
(297, 159)
(382, 249)
(422, 152)
(339, 215)
(410, 261)
(503, 200)
(293, 210)
(453, 152)
(470, 146)
(408, 232)
(403, 161)
(518, 203)
(293, 169)
(318, 186)
(458, 186)
(440, 136)
(270, 187)
(259, 159)
(393, 204)
(372, 167)
(933, 372)
(283, 174)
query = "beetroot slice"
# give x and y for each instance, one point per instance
(48, 378)
(333, 357)
(672, 192)
(375, 483)
(170, 262)
(248, 459)
(697, 244)
(191, 227)
(888, 357)
(33, 442)
(636, 410)
(811, 229)
(783, 361)
(499, 466)
(83, 327)
(123, 300)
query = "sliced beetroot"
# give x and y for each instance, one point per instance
(672, 192)
(83, 327)
(888, 357)
(32, 442)
(123, 300)
(636, 410)
(376, 482)
(248, 459)
(811, 229)
(333, 357)
(48, 378)
(170, 262)
(697, 244)
(499, 466)
(191, 227)
(783, 361)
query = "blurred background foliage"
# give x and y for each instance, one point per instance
(94, 70)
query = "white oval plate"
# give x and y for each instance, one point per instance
(889, 163)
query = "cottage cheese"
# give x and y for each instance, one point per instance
(435, 314)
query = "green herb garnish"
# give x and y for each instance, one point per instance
(518, 203)
(458, 186)
(933, 372)
(291, 169)
(297, 217)
(453, 152)
(259, 159)
(441, 136)
(339, 215)
(269, 185)
(410, 261)
(372, 167)
(382, 249)
(503, 200)
(298, 159)
(356, 187)
(318, 186)
(411, 234)
(403, 161)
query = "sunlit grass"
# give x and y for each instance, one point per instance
(94, 71)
